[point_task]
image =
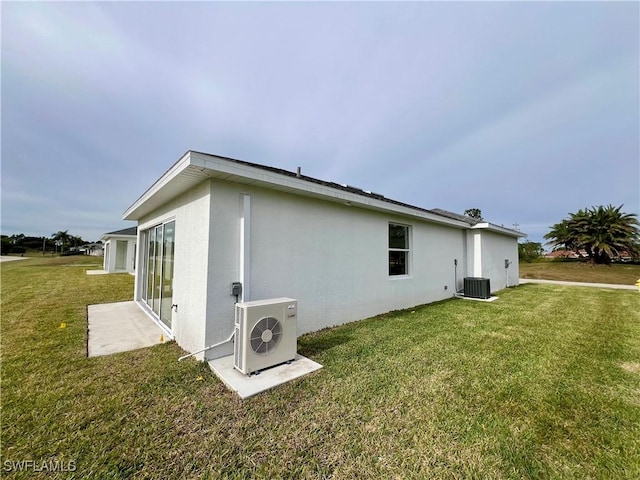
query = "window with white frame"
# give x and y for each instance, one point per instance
(398, 249)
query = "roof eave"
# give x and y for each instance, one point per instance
(194, 167)
(117, 235)
(134, 211)
(215, 167)
(498, 229)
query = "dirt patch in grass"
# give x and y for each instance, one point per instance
(633, 367)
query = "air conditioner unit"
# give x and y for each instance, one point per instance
(265, 334)
(477, 287)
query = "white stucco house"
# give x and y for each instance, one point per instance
(343, 253)
(119, 250)
(93, 249)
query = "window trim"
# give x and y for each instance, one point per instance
(407, 251)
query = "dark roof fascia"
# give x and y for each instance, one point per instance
(133, 231)
(455, 216)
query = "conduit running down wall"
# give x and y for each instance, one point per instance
(245, 247)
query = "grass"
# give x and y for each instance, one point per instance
(577, 271)
(543, 383)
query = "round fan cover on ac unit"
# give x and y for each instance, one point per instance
(265, 335)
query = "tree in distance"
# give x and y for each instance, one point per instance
(601, 233)
(474, 213)
(529, 251)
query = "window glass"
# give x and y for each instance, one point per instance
(397, 263)
(167, 273)
(398, 249)
(398, 236)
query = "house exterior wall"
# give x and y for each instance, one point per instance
(224, 264)
(496, 249)
(107, 255)
(331, 257)
(96, 250)
(192, 213)
(486, 253)
(111, 251)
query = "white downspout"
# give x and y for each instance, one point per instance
(477, 255)
(245, 247)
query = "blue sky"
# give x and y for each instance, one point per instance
(527, 111)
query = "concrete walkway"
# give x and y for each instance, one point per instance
(120, 327)
(579, 284)
(97, 272)
(7, 258)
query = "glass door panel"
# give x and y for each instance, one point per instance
(167, 273)
(121, 255)
(157, 271)
(151, 248)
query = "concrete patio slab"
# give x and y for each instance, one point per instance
(247, 386)
(120, 327)
(490, 299)
(97, 272)
(7, 258)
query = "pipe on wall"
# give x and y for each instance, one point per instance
(209, 347)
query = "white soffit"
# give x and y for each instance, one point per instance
(178, 179)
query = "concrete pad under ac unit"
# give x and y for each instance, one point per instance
(248, 385)
(490, 299)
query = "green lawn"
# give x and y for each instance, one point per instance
(543, 383)
(578, 271)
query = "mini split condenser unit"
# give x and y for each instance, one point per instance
(476, 287)
(265, 334)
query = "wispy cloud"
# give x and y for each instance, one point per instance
(504, 106)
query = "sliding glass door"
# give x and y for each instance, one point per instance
(166, 291)
(158, 272)
(156, 292)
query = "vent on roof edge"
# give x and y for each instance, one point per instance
(374, 194)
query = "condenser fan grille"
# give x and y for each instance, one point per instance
(265, 335)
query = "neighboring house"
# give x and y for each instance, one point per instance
(344, 253)
(93, 249)
(561, 254)
(119, 249)
(623, 256)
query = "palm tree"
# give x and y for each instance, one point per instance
(602, 232)
(61, 238)
(474, 213)
(560, 237)
(609, 233)
(75, 240)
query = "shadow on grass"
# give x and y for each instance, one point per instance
(321, 341)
